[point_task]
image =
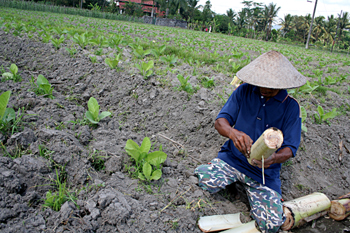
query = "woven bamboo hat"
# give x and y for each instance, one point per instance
(271, 70)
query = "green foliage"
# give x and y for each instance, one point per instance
(13, 74)
(147, 165)
(55, 200)
(57, 42)
(184, 84)
(81, 40)
(97, 161)
(140, 52)
(169, 59)
(308, 88)
(303, 117)
(43, 87)
(93, 113)
(6, 114)
(208, 82)
(330, 80)
(71, 51)
(145, 68)
(100, 41)
(322, 116)
(93, 59)
(113, 63)
(158, 51)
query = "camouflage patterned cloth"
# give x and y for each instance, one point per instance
(265, 203)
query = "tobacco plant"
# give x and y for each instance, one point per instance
(147, 164)
(43, 87)
(13, 74)
(6, 114)
(145, 68)
(93, 114)
(322, 116)
(113, 62)
(57, 42)
(169, 59)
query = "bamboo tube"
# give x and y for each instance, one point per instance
(269, 141)
(297, 211)
(340, 209)
(219, 222)
(245, 228)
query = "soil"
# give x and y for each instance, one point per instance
(109, 200)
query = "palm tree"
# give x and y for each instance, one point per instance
(319, 26)
(241, 18)
(344, 24)
(286, 23)
(231, 14)
(192, 6)
(270, 13)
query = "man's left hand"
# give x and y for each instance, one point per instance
(278, 157)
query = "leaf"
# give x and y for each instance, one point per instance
(89, 116)
(156, 174)
(147, 170)
(141, 176)
(4, 99)
(133, 150)
(7, 75)
(46, 88)
(93, 107)
(9, 115)
(330, 115)
(156, 158)
(146, 145)
(303, 113)
(303, 127)
(13, 69)
(320, 111)
(147, 65)
(41, 80)
(103, 115)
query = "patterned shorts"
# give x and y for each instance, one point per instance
(265, 203)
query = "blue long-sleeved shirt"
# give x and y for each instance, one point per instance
(248, 111)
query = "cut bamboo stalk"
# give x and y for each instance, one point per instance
(340, 209)
(219, 222)
(245, 228)
(269, 141)
(300, 210)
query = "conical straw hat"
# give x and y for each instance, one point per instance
(271, 70)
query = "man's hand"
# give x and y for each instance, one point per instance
(241, 141)
(278, 157)
(267, 162)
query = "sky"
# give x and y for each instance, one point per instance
(293, 7)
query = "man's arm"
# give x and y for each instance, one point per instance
(241, 140)
(279, 157)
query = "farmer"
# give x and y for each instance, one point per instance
(258, 104)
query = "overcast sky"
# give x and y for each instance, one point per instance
(293, 7)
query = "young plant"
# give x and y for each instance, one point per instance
(71, 51)
(158, 51)
(6, 114)
(322, 116)
(303, 117)
(93, 113)
(140, 52)
(57, 199)
(12, 75)
(208, 82)
(145, 68)
(185, 85)
(57, 42)
(93, 59)
(113, 63)
(308, 88)
(169, 59)
(147, 165)
(43, 87)
(81, 40)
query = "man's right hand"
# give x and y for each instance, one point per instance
(241, 141)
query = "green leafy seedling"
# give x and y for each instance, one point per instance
(185, 85)
(57, 42)
(6, 114)
(308, 88)
(44, 87)
(322, 116)
(93, 113)
(140, 52)
(13, 74)
(145, 68)
(113, 63)
(148, 165)
(303, 117)
(169, 59)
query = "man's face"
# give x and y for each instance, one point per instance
(268, 92)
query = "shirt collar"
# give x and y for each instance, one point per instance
(281, 96)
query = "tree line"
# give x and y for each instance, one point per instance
(255, 20)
